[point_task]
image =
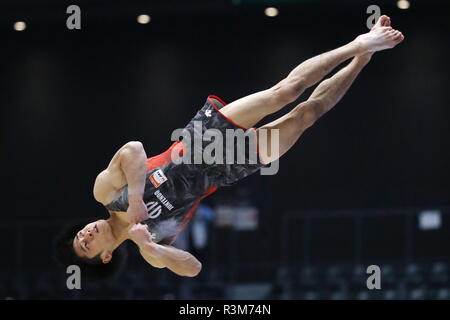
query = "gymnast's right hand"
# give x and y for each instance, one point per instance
(137, 210)
(140, 235)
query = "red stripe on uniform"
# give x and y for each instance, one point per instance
(217, 109)
(164, 158)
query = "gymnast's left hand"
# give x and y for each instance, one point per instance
(140, 235)
(137, 210)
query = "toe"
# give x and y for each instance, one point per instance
(380, 22)
(399, 36)
(389, 32)
(385, 21)
(388, 21)
(396, 35)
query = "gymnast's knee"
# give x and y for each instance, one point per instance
(307, 113)
(287, 91)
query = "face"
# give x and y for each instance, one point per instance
(94, 239)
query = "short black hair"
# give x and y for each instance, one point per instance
(92, 270)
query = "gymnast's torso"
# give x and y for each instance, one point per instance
(172, 192)
(173, 189)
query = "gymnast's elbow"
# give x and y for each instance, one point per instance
(132, 149)
(134, 146)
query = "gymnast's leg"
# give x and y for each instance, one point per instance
(293, 124)
(249, 110)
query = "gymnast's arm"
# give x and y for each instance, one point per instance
(162, 256)
(178, 261)
(128, 166)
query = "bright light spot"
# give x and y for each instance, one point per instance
(430, 219)
(403, 4)
(20, 26)
(143, 19)
(271, 12)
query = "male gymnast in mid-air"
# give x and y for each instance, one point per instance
(151, 200)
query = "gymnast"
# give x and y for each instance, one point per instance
(151, 200)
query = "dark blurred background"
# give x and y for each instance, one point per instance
(368, 184)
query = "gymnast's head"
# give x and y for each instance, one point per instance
(92, 247)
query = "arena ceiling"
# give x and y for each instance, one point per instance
(41, 11)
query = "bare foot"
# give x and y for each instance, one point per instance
(383, 21)
(380, 38)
